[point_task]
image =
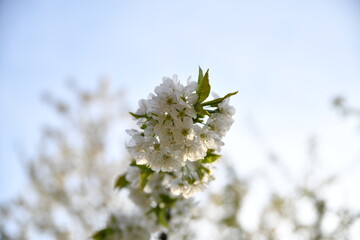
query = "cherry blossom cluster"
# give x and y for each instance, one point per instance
(173, 152)
(178, 136)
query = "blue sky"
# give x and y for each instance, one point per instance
(287, 59)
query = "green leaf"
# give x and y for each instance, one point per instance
(230, 221)
(144, 178)
(137, 116)
(103, 234)
(210, 158)
(201, 171)
(215, 102)
(204, 112)
(162, 219)
(121, 182)
(161, 215)
(203, 90)
(205, 169)
(201, 75)
(143, 168)
(145, 173)
(191, 180)
(167, 200)
(200, 110)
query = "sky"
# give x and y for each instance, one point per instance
(287, 59)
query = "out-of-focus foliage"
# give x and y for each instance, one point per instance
(282, 217)
(344, 108)
(70, 189)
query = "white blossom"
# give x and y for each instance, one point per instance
(174, 139)
(192, 179)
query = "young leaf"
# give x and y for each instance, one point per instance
(202, 170)
(200, 110)
(137, 116)
(210, 158)
(103, 234)
(167, 200)
(144, 178)
(121, 182)
(200, 173)
(215, 102)
(161, 215)
(162, 219)
(201, 75)
(143, 168)
(203, 90)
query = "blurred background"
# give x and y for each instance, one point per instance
(294, 63)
